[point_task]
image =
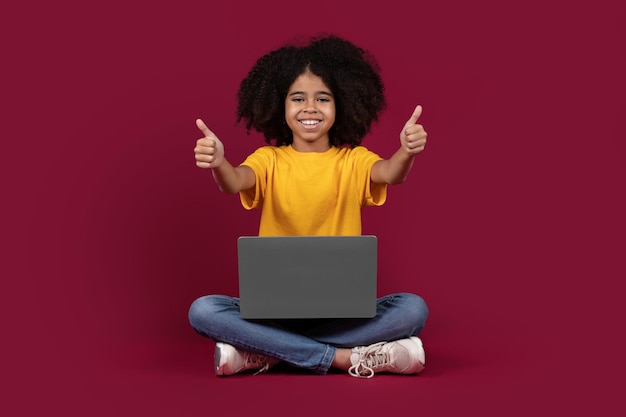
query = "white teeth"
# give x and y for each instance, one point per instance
(309, 122)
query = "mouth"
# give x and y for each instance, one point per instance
(309, 123)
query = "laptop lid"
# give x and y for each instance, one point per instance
(307, 276)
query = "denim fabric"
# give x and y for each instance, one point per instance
(307, 343)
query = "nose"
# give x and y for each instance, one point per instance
(311, 106)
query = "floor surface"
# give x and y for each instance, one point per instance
(466, 374)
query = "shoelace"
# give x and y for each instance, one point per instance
(252, 361)
(370, 357)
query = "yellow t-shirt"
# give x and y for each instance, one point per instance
(311, 193)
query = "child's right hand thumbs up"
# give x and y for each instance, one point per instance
(413, 136)
(209, 149)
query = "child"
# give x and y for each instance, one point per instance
(317, 102)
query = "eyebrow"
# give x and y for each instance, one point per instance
(295, 93)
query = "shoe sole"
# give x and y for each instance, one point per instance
(422, 359)
(217, 358)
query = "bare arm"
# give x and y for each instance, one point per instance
(412, 141)
(209, 153)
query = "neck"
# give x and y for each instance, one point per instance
(304, 146)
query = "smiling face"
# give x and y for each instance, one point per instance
(310, 113)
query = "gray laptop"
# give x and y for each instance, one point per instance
(296, 277)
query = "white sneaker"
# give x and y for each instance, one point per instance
(405, 356)
(229, 361)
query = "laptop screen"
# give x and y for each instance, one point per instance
(307, 276)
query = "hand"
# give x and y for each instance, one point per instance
(209, 150)
(413, 135)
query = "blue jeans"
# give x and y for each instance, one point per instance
(307, 343)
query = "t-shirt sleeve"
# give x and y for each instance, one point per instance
(258, 162)
(374, 194)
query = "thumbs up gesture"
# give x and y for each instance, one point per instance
(209, 149)
(413, 135)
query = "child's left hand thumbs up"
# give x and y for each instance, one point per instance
(413, 135)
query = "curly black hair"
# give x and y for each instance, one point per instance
(351, 73)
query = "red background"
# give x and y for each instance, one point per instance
(511, 225)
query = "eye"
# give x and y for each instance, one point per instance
(297, 99)
(324, 99)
